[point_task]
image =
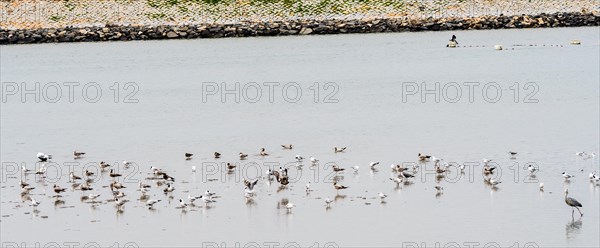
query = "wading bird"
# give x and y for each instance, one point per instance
(572, 203)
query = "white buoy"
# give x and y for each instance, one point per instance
(575, 42)
(498, 47)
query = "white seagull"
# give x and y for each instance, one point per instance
(93, 197)
(541, 186)
(567, 176)
(43, 157)
(150, 203)
(531, 169)
(382, 196)
(34, 203)
(328, 202)
(373, 164)
(193, 198)
(207, 200)
(313, 160)
(494, 182)
(289, 207)
(182, 204)
(299, 158)
(209, 194)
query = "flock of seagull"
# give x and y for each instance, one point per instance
(161, 178)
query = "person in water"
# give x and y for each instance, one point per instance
(453, 40)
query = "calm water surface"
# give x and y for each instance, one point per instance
(547, 121)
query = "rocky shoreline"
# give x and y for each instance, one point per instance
(293, 27)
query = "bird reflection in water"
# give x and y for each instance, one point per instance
(572, 228)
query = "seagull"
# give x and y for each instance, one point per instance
(541, 186)
(355, 168)
(423, 157)
(531, 169)
(576, 154)
(93, 197)
(168, 189)
(34, 203)
(182, 204)
(24, 184)
(85, 187)
(289, 146)
(572, 203)
(595, 178)
(156, 171)
(307, 187)
(382, 196)
(193, 168)
(143, 185)
(168, 178)
(150, 203)
(512, 154)
(494, 182)
(25, 170)
(112, 174)
(118, 194)
(398, 168)
(104, 165)
(337, 168)
(58, 189)
(43, 157)
(207, 200)
(126, 164)
(488, 169)
(250, 184)
(299, 158)
(193, 198)
(486, 161)
(338, 186)
(289, 207)
(592, 175)
(314, 160)
(77, 154)
(116, 185)
(373, 164)
(230, 166)
(336, 150)
(217, 155)
(188, 155)
(119, 203)
(73, 176)
(209, 194)
(41, 170)
(461, 167)
(439, 188)
(567, 176)
(407, 175)
(248, 192)
(263, 152)
(328, 202)
(243, 156)
(88, 173)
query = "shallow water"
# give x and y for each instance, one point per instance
(362, 103)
